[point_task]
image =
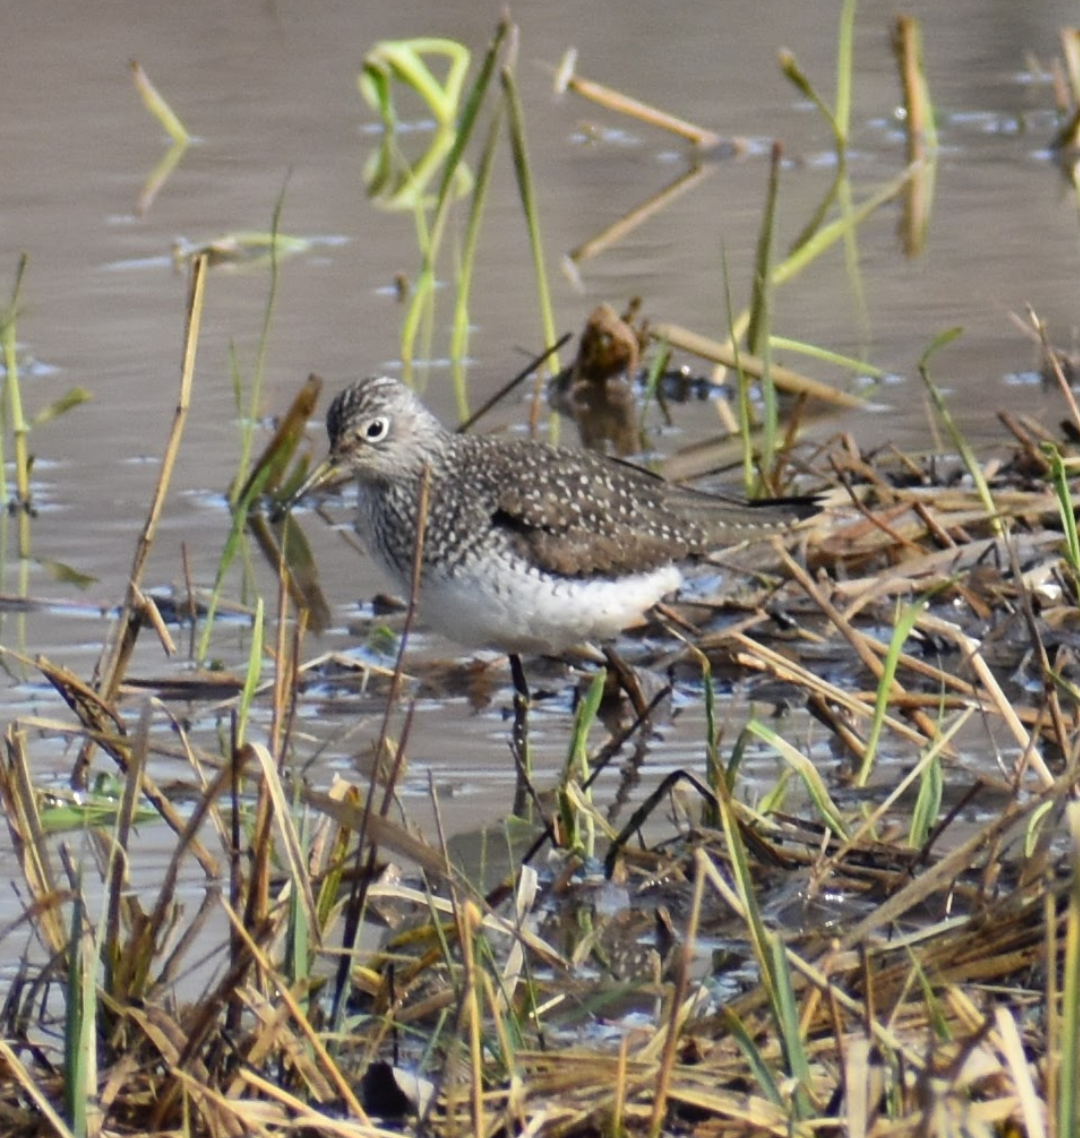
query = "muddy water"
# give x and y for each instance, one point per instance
(270, 92)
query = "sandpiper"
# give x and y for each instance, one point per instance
(527, 547)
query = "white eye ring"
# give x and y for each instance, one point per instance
(375, 430)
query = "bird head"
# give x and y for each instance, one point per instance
(379, 433)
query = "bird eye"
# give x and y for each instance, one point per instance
(375, 430)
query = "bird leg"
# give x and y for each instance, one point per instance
(519, 737)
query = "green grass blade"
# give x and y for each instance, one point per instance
(836, 230)
(251, 677)
(971, 462)
(250, 414)
(927, 804)
(80, 1027)
(902, 628)
(578, 756)
(233, 545)
(245, 486)
(403, 60)
(796, 76)
(532, 218)
(470, 110)
(1059, 479)
(806, 771)
(747, 422)
(824, 355)
(158, 107)
(430, 239)
(714, 768)
(579, 829)
(757, 333)
(819, 242)
(13, 410)
(844, 69)
(459, 336)
(71, 399)
(769, 953)
(8, 342)
(766, 1084)
(1068, 1104)
(789, 1027)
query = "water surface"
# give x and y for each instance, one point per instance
(270, 91)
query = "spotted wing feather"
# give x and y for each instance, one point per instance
(581, 515)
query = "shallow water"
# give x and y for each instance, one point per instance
(270, 91)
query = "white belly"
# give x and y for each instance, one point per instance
(531, 613)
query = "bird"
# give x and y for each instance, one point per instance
(528, 548)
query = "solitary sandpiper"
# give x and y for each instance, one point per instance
(526, 547)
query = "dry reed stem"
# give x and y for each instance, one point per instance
(972, 651)
(311, 1036)
(373, 820)
(114, 664)
(678, 1008)
(525, 896)
(281, 812)
(613, 100)
(856, 1008)
(32, 1088)
(785, 379)
(944, 872)
(929, 571)
(469, 1021)
(1053, 359)
(1018, 1066)
(853, 637)
(411, 611)
(623, 226)
(285, 656)
(103, 727)
(759, 655)
(869, 823)
(378, 830)
(301, 1114)
(20, 802)
(115, 657)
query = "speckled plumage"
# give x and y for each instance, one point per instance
(527, 547)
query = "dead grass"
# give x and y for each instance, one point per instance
(870, 983)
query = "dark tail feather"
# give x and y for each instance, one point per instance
(796, 505)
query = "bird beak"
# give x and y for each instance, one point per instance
(329, 472)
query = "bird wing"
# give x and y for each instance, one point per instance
(580, 514)
(588, 518)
